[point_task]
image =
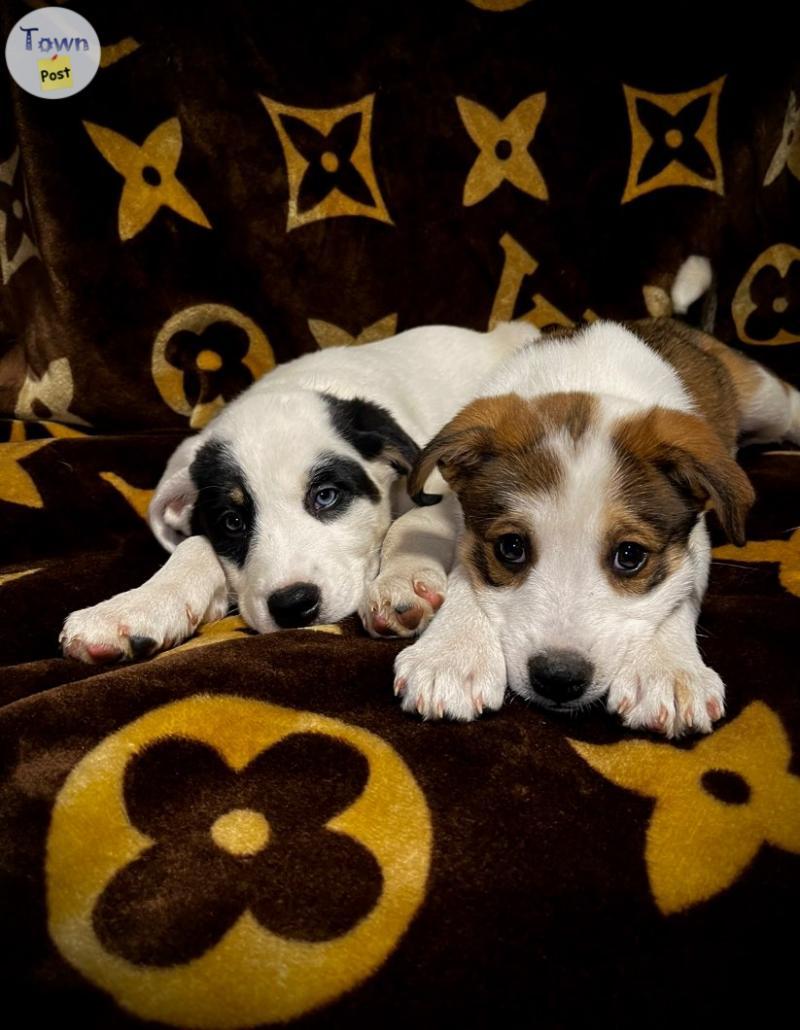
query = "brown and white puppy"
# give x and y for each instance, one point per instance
(584, 471)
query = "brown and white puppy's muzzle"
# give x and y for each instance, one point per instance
(585, 543)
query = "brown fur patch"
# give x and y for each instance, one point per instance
(572, 412)
(704, 366)
(746, 375)
(646, 509)
(687, 453)
(493, 428)
(483, 565)
(236, 495)
(496, 446)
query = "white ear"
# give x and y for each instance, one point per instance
(170, 511)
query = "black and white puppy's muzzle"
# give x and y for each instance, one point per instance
(295, 606)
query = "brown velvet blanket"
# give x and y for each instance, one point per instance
(247, 830)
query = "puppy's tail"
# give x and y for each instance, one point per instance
(694, 280)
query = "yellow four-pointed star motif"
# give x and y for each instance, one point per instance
(149, 174)
(503, 144)
(716, 805)
(16, 485)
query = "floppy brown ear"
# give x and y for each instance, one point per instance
(456, 452)
(691, 453)
(464, 444)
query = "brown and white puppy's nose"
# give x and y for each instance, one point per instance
(294, 606)
(560, 676)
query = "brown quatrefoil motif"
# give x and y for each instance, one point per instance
(212, 362)
(777, 302)
(226, 842)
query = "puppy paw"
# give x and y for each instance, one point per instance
(401, 603)
(458, 681)
(127, 627)
(667, 695)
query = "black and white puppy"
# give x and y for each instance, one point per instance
(284, 502)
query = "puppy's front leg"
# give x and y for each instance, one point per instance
(416, 556)
(664, 685)
(186, 592)
(457, 668)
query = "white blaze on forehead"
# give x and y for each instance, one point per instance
(567, 524)
(276, 444)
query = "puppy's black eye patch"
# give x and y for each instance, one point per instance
(334, 483)
(224, 511)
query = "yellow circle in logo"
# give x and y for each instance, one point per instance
(241, 832)
(209, 361)
(171, 379)
(251, 976)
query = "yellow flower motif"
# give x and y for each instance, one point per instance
(785, 552)
(763, 307)
(149, 173)
(716, 805)
(503, 143)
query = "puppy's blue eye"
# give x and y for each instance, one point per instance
(629, 558)
(232, 522)
(325, 497)
(511, 549)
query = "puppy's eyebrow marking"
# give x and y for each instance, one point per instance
(237, 495)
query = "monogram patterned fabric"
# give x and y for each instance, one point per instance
(246, 830)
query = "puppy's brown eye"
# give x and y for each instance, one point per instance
(510, 549)
(629, 558)
(232, 522)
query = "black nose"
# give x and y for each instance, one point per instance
(560, 676)
(297, 605)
